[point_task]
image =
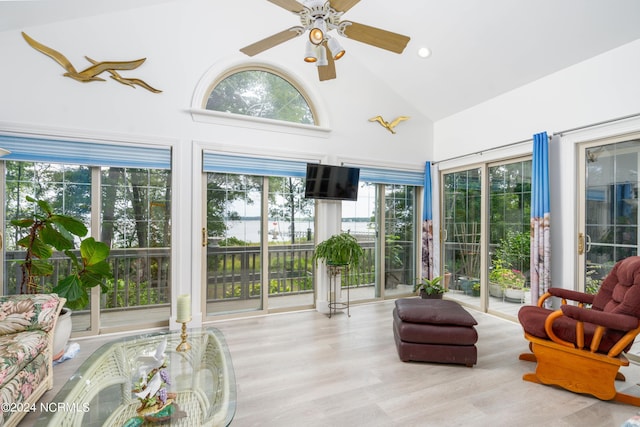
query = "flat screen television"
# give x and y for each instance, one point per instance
(331, 182)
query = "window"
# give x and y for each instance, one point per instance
(136, 224)
(67, 188)
(134, 185)
(260, 93)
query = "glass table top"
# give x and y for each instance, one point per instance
(100, 393)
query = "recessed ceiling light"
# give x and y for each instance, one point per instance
(424, 52)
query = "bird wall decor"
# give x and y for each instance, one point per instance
(127, 81)
(387, 125)
(91, 73)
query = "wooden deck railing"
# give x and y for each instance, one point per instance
(141, 277)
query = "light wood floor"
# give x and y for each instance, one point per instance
(303, 368)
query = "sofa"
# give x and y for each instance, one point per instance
(27, 325)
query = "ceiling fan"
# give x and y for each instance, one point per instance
(319, 17)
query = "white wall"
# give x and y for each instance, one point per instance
(603, 88)
(183, 41)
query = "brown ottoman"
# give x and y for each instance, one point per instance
(434, 330)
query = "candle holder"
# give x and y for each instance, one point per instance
(184, 345)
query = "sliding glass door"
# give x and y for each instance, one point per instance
(608, 222)
(291, 219)
(259, 244)
(400, 239)
(485, 234)
(509, 236)
(461, 225)
(233, 281)
(362, 220)
(122, 193)
(384, 222)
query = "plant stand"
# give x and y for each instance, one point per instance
(334, 304)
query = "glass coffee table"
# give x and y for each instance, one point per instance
(100, 392)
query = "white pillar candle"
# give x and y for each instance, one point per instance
(184, 308)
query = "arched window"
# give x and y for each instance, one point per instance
(260, 93)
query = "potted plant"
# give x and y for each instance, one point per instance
(509, 282)
(48, 232)
(430, 288)
(338, 250)
(475, 289)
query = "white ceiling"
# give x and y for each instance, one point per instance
(481, 49)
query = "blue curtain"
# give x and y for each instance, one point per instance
(540, 218)
(427, 225)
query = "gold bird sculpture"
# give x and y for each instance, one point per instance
(90, 73)
(127, 81)
(387, 125)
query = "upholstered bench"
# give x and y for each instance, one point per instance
(434, 330)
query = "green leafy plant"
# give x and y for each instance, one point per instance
(513, 250)
(393, 251)
(48, 232)
(506, 277)
(143, 293)
(339, 249)
(430, 286)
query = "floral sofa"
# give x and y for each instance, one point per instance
(26, 345)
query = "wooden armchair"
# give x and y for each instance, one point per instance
(581, 346)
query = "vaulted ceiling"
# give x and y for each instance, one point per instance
(480, 49)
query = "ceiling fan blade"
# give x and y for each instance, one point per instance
(327, 72)
(290, 5)
(376, 37)
(343, 5)
(271, 41)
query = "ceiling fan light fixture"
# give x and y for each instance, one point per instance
(316, 34)
(322, 56)
(337, 51)
(318, 18)
(310, 52)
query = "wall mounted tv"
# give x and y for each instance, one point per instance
(331, 182)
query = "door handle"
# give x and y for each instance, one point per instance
(584, 243)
